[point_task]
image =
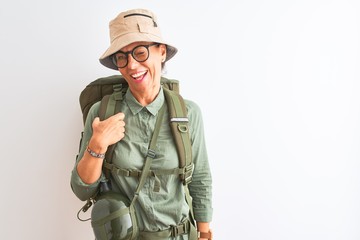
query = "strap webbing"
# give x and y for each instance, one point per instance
(148, 161)
(137, 173)
(172, 232)
(108, 107)
(180, 129)
(149, 157)
(111, 216)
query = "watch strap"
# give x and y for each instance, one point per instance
(207, 235)
(94, 154)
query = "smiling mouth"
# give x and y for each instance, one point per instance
(139, 76)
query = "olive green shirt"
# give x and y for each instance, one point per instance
(155, 209)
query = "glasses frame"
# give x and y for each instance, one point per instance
(113, 58)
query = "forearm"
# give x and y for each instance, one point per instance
(201, 192)
(89, 167)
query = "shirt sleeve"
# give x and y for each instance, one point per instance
(201, 186)
(82, 190)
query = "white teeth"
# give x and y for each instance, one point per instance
(136, 75)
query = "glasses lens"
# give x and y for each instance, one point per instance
(120, 60)
(140, 53)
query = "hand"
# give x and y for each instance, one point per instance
(107, 132)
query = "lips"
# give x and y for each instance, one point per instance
(139, 76)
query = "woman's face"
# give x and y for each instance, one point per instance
(143, 77)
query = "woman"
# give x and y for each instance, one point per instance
(139, 53)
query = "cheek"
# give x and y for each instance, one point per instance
(155, 66)
(157, 59)
(122, 71)
(125, 74)
(158, 69)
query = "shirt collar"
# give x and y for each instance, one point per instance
(153, 107)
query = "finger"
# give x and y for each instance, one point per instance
(121, 123)
(119, 116)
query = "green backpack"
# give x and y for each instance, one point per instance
(111, 91)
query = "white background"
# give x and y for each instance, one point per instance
(278, 84)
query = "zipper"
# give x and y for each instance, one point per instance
(142, 15)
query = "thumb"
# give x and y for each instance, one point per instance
(96, 121)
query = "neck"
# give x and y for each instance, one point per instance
(146, 97)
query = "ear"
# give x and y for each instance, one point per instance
(163, 51)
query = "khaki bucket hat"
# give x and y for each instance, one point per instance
(136, 25)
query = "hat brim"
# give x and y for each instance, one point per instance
(129, 38)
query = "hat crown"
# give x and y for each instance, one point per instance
(134, 21)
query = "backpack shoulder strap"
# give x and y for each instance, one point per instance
(109, 106)
(179, 124)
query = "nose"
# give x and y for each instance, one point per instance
(132, 63)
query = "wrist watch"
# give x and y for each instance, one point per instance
(94, 154)
(207, 235)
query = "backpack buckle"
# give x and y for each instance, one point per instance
(151, 153)
(117, 87)
(180, 229)
(187, 176)
(117, 92)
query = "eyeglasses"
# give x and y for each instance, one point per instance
(139, 53)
